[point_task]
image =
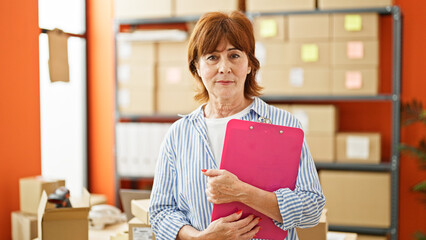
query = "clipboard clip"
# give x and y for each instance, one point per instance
(264, 120)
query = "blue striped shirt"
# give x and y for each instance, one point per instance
(178, 196)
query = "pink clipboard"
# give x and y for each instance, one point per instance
(264, 155)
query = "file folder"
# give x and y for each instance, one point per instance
(264, 155)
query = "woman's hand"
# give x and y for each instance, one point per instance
(223, 187)
(232, 227)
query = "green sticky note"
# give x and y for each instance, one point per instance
(353, 22)
(268, 28)
(309, 52)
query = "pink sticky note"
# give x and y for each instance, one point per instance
(353, 80)
(174, 75)
(355, 50)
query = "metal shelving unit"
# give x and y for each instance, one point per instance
(394, 97)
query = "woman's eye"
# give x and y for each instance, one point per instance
(235, 55)
(211, 57)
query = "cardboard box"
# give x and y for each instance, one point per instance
(319, 232)
(316, 119)
(342, 4)
(136, 9)
(322, 147)
(24, 226)
(295, 80)
(139, 230)
(136, 52)
(310, 53)
(371, 237)
(176, 100)
(267, 28)
(64, 223)
(273, 53)
(136, 100)
(140, 209)
(357, 198)
(30, 190)
(174, 74)
(357, 52)
(350, 26)
(342, 235)
(279, 5)
(196, 7)
(355, 81)
(286, 107)
(173, 52)
(309, 27)
(135, 75)
(358, 147)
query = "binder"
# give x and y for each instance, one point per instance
(264, 155)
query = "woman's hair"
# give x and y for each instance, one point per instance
(208, 33)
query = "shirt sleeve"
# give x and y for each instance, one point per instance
(164, 216)
(302, 207)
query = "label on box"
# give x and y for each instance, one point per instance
(124, 50)
(353, 80)
(123, 97)
(309, 52)
(335, 236)
(357, 147)
(355, 50)
(353, 22)
(142, 233)
(302, 116)
(174, 75)
(268, 28)
(296, 77)
(123, 73)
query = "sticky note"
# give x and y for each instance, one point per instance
(357, 147)
(309, 52)
(353, 22)
(296, 77)
(174, 75)
(261, 53)
(268, 28)
(123, 98)
(355, 50)
(124, 50)
(302, 116)
(353, 80)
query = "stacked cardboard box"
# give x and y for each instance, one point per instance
(318, 232)
(358, 148)
(319, 123)
(279, 5)
(24, 222)
(355, 54)
(196, 7)
(176, 85)
(136, 76)
(139, 227)
(137, 9)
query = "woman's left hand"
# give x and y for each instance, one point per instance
(224, 187)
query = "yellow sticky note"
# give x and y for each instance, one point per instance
(353, 22)
(268, 28)
(309, 52)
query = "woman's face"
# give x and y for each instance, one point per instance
(224, 72)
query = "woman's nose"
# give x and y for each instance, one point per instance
(224, 66)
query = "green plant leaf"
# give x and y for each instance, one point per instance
(420, 187)
(412, 112)
(419, 152)
(420, 236)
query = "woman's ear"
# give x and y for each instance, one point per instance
(248, 70)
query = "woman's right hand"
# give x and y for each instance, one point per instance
(232, 227)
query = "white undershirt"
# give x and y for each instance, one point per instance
(216, 128)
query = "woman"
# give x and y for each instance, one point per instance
(188, 182)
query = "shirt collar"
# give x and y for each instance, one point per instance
(259, 107)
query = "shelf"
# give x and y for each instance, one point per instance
(383, 10)
(280, 98)
(360, 230)
(382, 167)
(157, 20)
(147, 118)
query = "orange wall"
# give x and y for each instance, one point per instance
(100, 60)
(19, 103)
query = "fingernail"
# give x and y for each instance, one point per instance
(239, 212)
(260, 219)
(203, 170)
(254, 236)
